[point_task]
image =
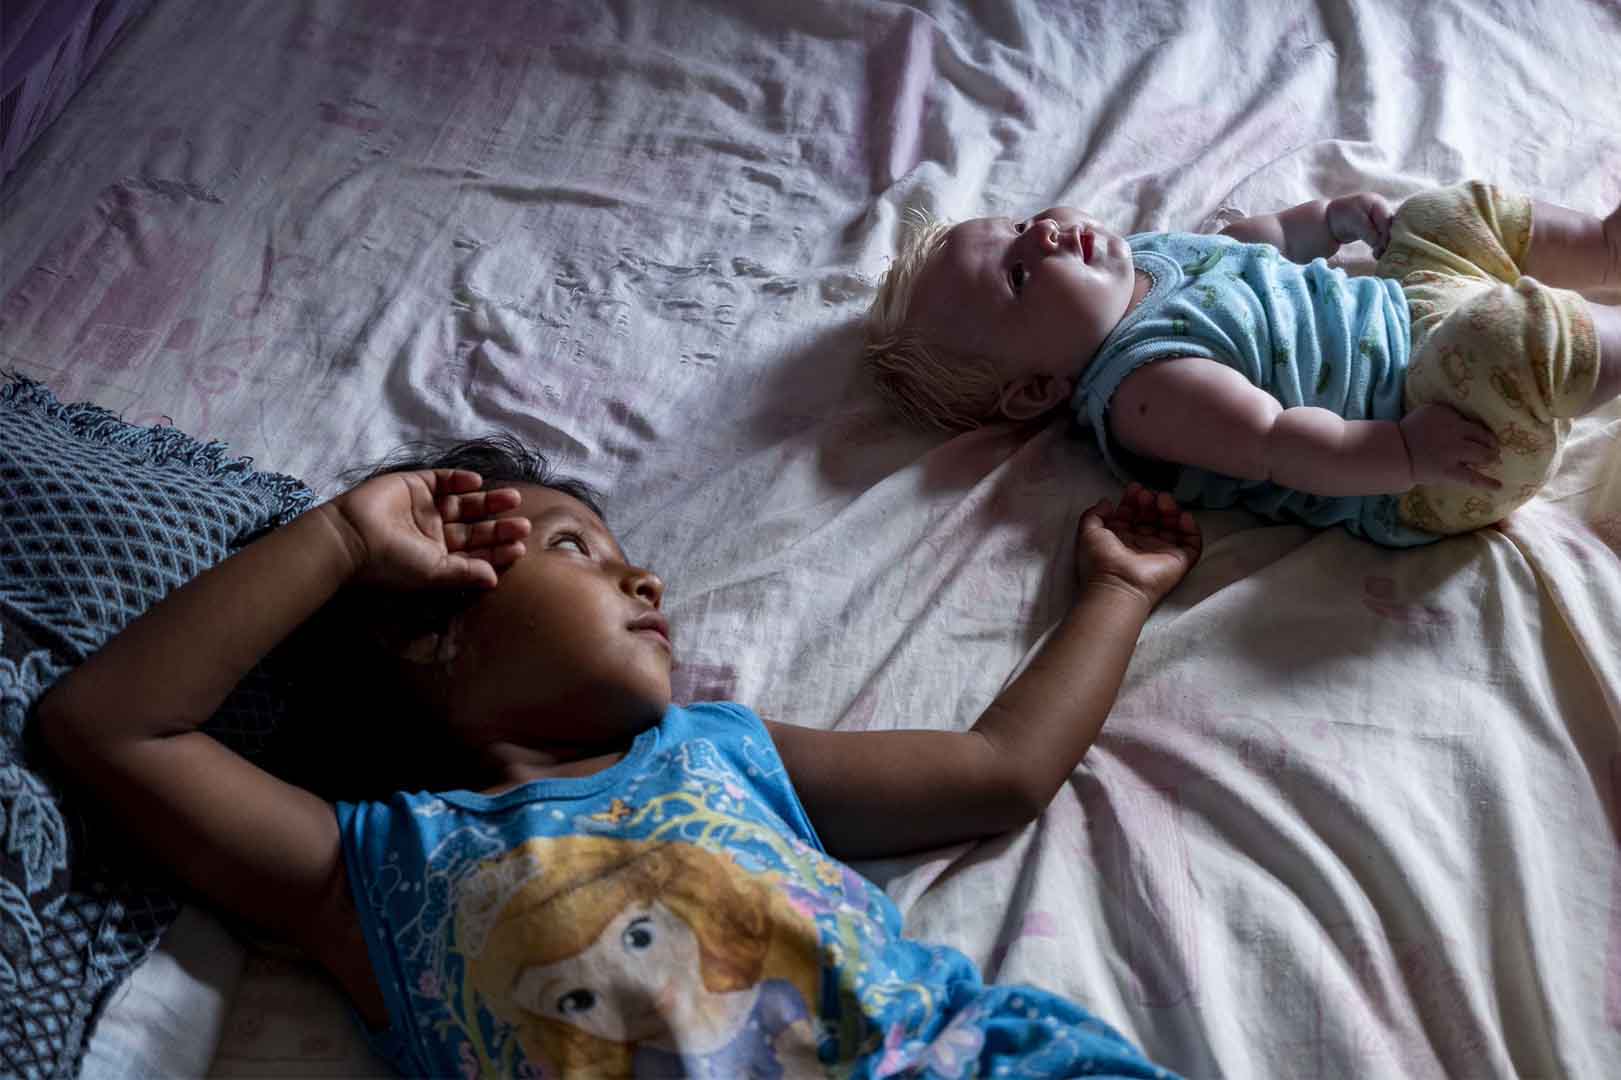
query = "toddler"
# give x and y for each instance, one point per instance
(1240, 368)
(590, 880)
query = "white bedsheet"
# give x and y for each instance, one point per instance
(1355, 813)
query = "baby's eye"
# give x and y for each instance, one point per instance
(1020, 226)
(1017, 276)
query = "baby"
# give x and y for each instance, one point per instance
(573, 876)
(1241, 369)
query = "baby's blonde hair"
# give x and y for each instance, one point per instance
(927, 381)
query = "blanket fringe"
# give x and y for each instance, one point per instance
(158, 444)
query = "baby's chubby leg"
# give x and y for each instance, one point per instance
(1476, 232)
(1499, 334)
(1607, 328)
(1573, 250)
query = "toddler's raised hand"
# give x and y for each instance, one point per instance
(1446, 447)
(1363, 216)
(430, 529)
(1146, 544)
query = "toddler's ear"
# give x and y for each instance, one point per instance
(1031, 395)
(432, 650)
(430, 638)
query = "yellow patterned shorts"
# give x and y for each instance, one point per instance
(1506, 350)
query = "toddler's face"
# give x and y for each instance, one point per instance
(572, 637)
(1037, 296)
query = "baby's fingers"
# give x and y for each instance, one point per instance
(1466, 475)
(1381, 236)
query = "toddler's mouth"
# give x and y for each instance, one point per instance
(654, 624)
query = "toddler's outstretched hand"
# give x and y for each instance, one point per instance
(1363, 216)
(1446, 447)
(1145, 545)
(430, 529)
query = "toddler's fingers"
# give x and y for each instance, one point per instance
(506, 554)
(1093, 518)
(478, 504)
(498, 557)
(485, 533)
(502, 499)
(466, 570)
(457, 481)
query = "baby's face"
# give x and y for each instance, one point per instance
(1037, 296)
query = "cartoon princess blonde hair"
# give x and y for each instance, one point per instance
(550, 898)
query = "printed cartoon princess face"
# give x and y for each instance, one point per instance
(639, 982)
(597, 949)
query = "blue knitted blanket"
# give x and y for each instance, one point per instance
(98, 520)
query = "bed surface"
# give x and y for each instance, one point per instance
(1355, 813)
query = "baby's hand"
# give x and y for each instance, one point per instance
(1363, 216)
(1145, 545)
(430, 529)
(1445, 447)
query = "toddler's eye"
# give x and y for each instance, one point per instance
(1016, 277)
(1020, 226)
(573, 540)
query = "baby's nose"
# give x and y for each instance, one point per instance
(1047, 235)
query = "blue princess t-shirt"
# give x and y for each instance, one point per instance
(671, 915)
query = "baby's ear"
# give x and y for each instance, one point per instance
(1029, 396)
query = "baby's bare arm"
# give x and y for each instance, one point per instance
(1319, 228)
(1193, 411)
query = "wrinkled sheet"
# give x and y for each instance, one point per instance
(1355, 813)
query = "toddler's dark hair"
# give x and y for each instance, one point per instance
(354, 732)
(500, 459)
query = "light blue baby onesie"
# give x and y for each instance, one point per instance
(1307, 335)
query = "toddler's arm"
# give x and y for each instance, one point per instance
(1318, 229)
(125, 724)
(1193, 411)
(876, 793)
